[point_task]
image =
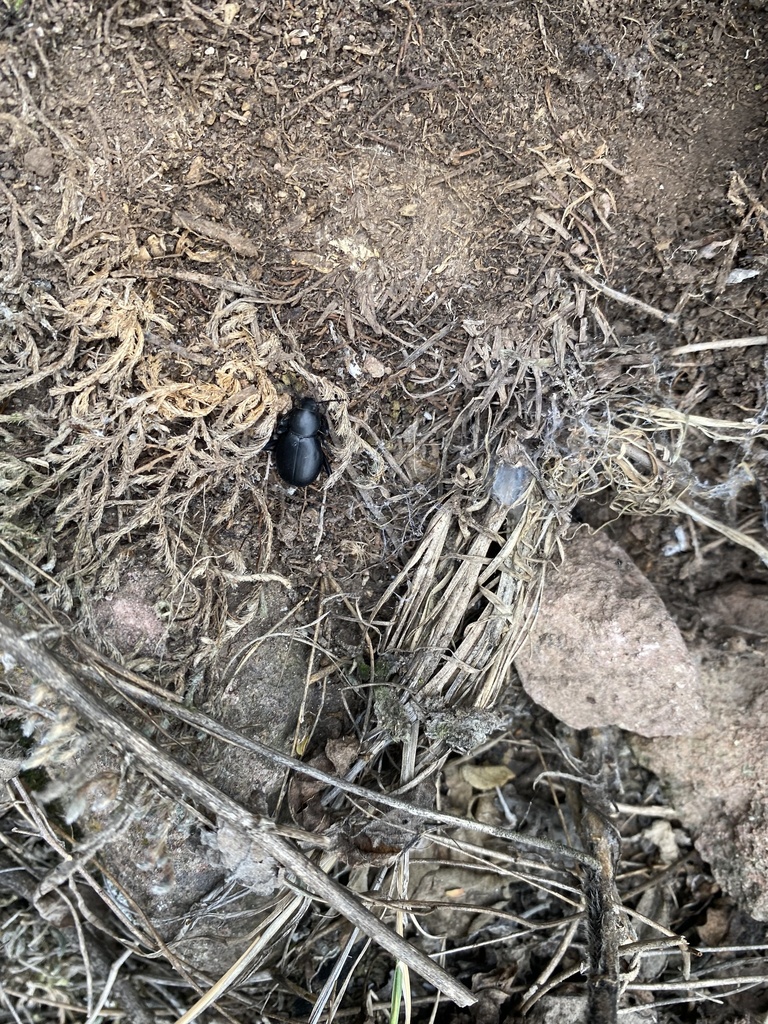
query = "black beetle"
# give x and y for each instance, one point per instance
(297, 445)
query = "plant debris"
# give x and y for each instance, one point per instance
(267, 747)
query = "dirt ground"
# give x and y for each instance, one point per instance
(532, 235)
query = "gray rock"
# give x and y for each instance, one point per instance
(717, 779)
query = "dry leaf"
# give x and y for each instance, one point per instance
(486, 776)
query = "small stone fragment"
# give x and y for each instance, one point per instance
(39, 160)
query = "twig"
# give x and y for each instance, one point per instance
(627, 300)
(603, 904)
(749, 980)
(706, 346)
(603, 918)
(48, 670)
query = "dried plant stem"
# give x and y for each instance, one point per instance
(706, 346)
(603, 920)
(48, 670)
(603, 903)
(282, 918)
(735, 536)
(662, 418)
(622, 297)
(545, 982)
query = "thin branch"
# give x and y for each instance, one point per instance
(622, 297)
(48, 670)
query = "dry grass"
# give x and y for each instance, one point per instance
(145, 449)
(129, 443)
(142, 433)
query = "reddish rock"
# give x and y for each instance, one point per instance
(605, 651)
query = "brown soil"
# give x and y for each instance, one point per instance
(411, 210)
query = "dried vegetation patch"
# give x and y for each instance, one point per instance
(423, 216)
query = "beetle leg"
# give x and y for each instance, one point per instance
(280, 429)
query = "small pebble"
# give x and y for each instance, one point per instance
(39, 160)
